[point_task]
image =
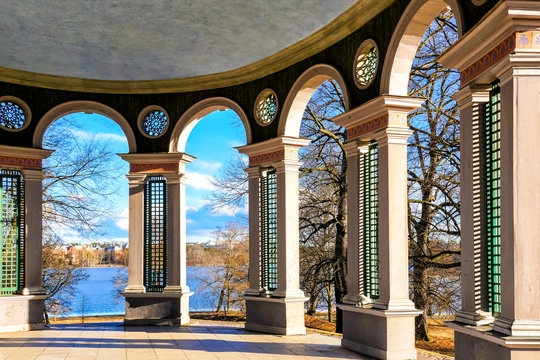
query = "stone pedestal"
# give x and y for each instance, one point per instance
(382, 334)
(21, 312)
(157, 309)
(275, 315)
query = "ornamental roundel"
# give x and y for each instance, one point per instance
(14, 114)
(366, 62)
(153, 121)
(266, 107)
(478, 2)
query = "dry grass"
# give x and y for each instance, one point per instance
(442, 338)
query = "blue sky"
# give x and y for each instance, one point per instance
(212, 141)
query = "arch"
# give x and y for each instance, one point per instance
(405, 41)
(301, 92)
(88, 107)
(196, 112)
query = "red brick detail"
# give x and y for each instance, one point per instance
(23, 162)
(367, 127)
(273, 156)
(153, 167)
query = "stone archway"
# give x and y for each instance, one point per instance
(72, 107)
(300, 94)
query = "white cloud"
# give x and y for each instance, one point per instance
(200, 236)
(228, 210)
(122, 220)
(107, 136)
(200, 181)
(206, 165)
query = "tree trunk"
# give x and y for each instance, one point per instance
(221, 296)
(420, 299)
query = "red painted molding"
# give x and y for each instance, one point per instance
(366, 127)
(493, 56)
(153, 167)
(23, 162)
(273, 156)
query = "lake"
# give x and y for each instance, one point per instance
(98, 295)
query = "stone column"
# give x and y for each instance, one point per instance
(176, 242)
(472, 100)
(288, 238)
(355, 150)
(136, 233)
(254, 183)
(520, 198)
(282, 311)
(383, 328)
(393, 215)
(170, 307)
(33, 190)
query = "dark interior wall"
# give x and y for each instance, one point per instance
(340, 55)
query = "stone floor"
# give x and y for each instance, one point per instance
(111, 341)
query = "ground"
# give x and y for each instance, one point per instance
(442, 337)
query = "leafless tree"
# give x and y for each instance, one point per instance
(433, 176)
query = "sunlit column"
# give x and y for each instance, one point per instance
(33, 180)
(136, 233)
(520, 198)
(393, 239)
(288, 259)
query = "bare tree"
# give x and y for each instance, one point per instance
(79, 190)
(433, 176)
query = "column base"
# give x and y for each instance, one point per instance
(382, 334)
(21, 312)
(474, 318)
(275, 315)
(482, 342)
(164, 309)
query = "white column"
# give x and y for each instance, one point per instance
(136, 233)
(472, 100)
(393, 240)
(176, 234)
(254, 184)
(355, 150)
(33, 233)
(288, 239)
(520, 198)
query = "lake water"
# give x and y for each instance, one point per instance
(100, 297)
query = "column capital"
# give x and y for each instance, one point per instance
(382, 112)
(287, 166)
(472, 94)
(33, 174)
(135, 179)
(157, 163)
(355, 147)
(253, 172)
(266, 153)
(393, 135)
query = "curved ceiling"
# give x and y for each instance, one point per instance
(153, 40)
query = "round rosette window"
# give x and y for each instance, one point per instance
(366, 63)
(14, 114)
(266, 107)
(153, 121)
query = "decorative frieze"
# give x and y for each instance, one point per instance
(153, 167)
(520, 40)
(392, 118)
(22, 162)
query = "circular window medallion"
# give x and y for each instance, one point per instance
(478, 2)
(153, 121)
(14, 114)
(365, 64)
(266, 107)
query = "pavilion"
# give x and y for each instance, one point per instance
(156, 68)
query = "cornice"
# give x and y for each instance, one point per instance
(495, 27)
(344, 25)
